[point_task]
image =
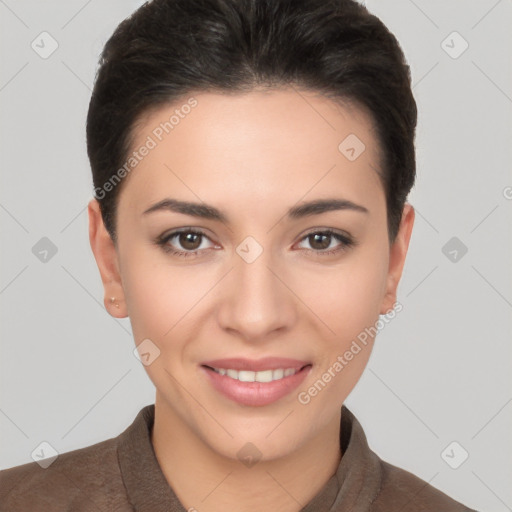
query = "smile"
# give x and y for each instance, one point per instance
(261, 376)
(255, 383)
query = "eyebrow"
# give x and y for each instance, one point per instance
(206, 211)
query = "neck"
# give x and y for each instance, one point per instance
(204, 480)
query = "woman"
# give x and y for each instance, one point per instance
(251, 162)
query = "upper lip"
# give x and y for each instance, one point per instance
(256, 365)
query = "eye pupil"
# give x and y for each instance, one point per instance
(316, 238)
(189, 240)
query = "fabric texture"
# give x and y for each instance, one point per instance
(122, 474)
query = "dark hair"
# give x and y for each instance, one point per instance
(169, 48)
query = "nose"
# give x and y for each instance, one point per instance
(256, 302)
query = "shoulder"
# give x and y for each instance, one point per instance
(404, 491)
(89, 475)
(388, 487)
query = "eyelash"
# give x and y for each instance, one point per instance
(346, 242)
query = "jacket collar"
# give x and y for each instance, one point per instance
(354, 486)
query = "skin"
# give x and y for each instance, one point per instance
(252, 155)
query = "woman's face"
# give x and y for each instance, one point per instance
(258, 282)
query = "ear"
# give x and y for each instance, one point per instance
(106, 257)
(397, 254)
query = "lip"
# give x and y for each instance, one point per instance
(255, 394)
(256, 365)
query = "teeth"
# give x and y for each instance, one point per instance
(279, 374)
(262, 376)
(244, 376)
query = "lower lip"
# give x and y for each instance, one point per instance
(255, 393)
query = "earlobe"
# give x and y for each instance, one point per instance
(106, 257)
(397, 255)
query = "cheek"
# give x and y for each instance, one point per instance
(160, 296)
(348, 298)
(347, 301)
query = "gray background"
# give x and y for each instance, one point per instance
(441, 370)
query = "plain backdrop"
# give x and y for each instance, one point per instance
(441, 370)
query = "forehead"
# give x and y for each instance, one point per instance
(260, 145)
(310, 116)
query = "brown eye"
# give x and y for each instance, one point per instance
(184, 243)
(319, 241)
(189, 240)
